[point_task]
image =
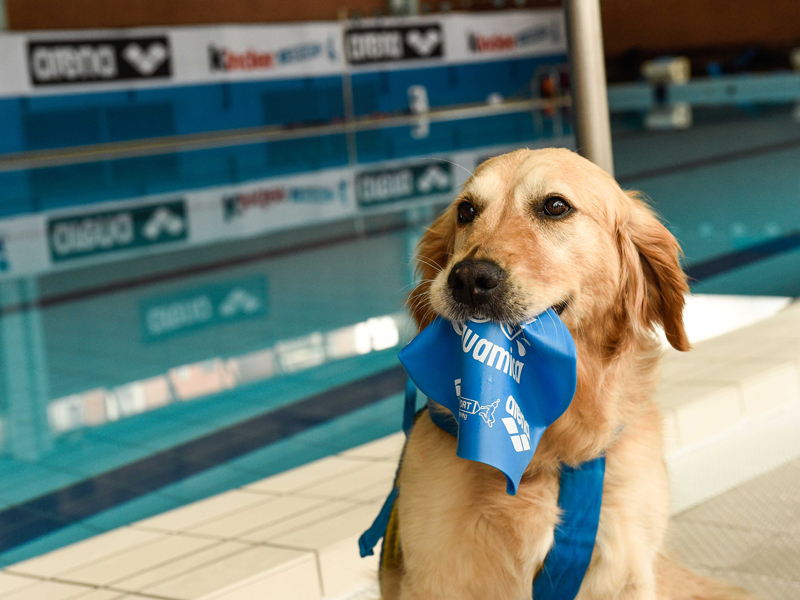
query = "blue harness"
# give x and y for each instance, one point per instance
(579, 498)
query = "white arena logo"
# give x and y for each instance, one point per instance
(434, 178)
(423, 43)
(386, 186)
(179, 315)
(74, 63)
(239, 301)
(375, 45)
(163, 221)
(517, 426)
(93, 233)
(146, 61)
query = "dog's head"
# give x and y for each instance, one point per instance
(546, 228)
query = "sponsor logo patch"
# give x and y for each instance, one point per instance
(98, 60)
(381, 44)
(110, 231)
(402, 183)
(224, 59)
(236, 205)
(504, 42)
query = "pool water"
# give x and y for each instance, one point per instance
(137, 381)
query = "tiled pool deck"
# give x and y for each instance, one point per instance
(732, 413)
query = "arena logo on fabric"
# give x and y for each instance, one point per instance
(381, 44)
(517, 426)
(98, 60)
(225, 59)
(487, 352)
(503, 42)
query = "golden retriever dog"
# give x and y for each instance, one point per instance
(532, 230)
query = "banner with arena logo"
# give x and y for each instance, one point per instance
(88, 60)
(111, 231)
(375, 42)
(386, 184)
(93, 60)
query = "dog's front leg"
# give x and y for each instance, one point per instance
(462, 536)
(633, 518)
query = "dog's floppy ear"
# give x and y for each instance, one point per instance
(433, 253)
(655, 283)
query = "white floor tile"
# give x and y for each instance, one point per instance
(343, 569)
(83, 553)
(298, 580)
(307, 475)
(347, 484)
(387, 448)
(226, 572)
(127, 564)
(709, 415)
(255, 517)
(48, 590)
(311, 518)
(176, 568)
(10, 583)
(328, 532)
(190, 515)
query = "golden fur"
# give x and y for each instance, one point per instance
(617, 267)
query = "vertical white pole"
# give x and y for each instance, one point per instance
(588, 82)
(3, 16)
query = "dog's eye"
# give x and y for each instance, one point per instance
(466, 212)
(556, 207)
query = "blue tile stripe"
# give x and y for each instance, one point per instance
(711, 161)
(741, 258)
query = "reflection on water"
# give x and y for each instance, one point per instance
(189, 382)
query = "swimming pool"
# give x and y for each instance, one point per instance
(142, 372)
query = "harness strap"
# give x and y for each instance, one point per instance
(370, 538)
(579, 497)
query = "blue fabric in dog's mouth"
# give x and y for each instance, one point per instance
(504, 384)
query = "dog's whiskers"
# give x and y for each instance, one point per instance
(454, 164)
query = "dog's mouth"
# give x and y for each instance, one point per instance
(508, 313)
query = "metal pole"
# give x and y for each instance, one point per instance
(3, 16)
(588, 82)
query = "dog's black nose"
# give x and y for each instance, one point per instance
(474, 282)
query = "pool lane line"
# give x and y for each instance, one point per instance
(741, 258)
(69, 505)
(711, 161)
